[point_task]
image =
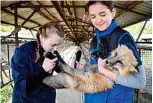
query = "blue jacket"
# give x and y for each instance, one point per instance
(28, 76)
(119, 93)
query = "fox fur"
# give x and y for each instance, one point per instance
(122, 62)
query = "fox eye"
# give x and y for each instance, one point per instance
(119, 61)
(114, 54)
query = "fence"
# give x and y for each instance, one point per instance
(145, 95)
(6, 53)
(141, 96)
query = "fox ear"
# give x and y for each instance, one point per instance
(133, 69)
(134, 63)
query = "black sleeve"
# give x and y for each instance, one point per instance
(33, 82)
(57, 69)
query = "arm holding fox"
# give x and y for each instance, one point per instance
(138, 80)
(104, 71)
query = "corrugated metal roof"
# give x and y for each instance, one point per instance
(70, 15)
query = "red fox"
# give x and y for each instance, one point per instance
(122, 62)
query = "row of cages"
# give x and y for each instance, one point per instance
(141, 96)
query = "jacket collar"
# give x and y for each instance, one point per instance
(112, 26)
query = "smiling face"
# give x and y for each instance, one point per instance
(101, 17)
(51, 42)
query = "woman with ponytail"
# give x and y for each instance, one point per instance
(29, 66)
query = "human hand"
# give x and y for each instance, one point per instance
(101, 65)
(49, 64)
(79, 66)
(108, 73)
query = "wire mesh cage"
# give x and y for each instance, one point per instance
(145, 95)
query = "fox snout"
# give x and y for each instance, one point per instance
(109, 63)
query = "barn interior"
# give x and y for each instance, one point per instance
(79, 31)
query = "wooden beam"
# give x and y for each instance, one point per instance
(19, 38)
(7, 11)
(27, 19)
(3, 22)
(58, 9)
(46, 6)
(129, 7)
(20, 2)
(132, 11)
(53, 18)
(141, 20)
(16, 26)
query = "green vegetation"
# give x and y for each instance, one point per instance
(135, 29)
(5, 94)
(5, 28)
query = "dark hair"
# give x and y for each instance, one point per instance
(46, 30)
(109, 4)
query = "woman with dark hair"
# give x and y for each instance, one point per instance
(29, 66)
(108, 36)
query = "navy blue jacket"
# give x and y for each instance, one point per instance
(28, 76)
(119, 93)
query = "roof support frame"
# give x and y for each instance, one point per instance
(141, 31)
(75, 18)
(3, 22)
(47, 6)
(147, 18)
(132, 11)
(35, 10)
(20, 2)
(57, 7)
(130, 7)
(76, 6)
(16, 27)
(137, 10)
(74, 12)
(39, 12)
(7, 11)
(53, 18)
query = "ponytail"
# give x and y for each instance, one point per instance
(37, 49)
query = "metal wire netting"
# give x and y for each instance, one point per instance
(141, 96)
(145, 95)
